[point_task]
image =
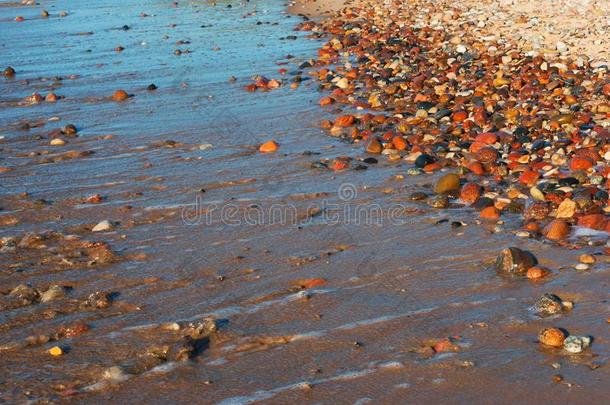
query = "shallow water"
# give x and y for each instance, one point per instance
(395, 279)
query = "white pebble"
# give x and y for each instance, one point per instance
(103, 226)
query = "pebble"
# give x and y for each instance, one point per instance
(52, 293)
(490, 213)
(556, 230)
(515, 261)
(548, 304)
(537, 272)
(373, 145)
(182, 350)
(576, 344)
(586, 258)
(56, 351)
(551, 337)
(8, 72)
(566, 209)
(57, 142)
(103, 226)
(470, 193)
(439, 201)
(115, 374)
(448, 182)
(120, 95)
(268, 147)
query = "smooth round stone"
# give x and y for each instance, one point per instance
(449, 182)
(423, 160)
(553, 337)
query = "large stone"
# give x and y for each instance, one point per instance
(557, 229)
(448, 182)
(515, 261)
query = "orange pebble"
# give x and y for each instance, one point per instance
(487, 138)
(345, 121)
(490, 213)
(579, 163)
(470, 193)
(50, 98)
(476, 167)
(120, 95)
(326, 101)
(399, 143)
(536, 272)
(593, 221)
(557, 229)
(459, 116)
(529, 177)
(269, 146)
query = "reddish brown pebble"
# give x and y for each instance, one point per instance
(120, 95)
(476, 168)
(490, 213)
(529, 177)
(537, 210)
(579, 163)
(537, 272)
(593, 221)
(373, 145)
(557, 229)
(470, 193)
(326, 101)
(487, 155)
(345, 121)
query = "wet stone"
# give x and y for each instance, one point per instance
(418, 196)
(185, 349)
(54, 292)
(576, 344)
(439, 201)
(26, 294)
(99, 300)
(8, 72)
(548, 304)
(483, 203)
(423, 160)
(449, 182)
(515, 261)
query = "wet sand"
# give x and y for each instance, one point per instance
(312, 299)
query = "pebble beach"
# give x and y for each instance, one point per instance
(322, 201)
